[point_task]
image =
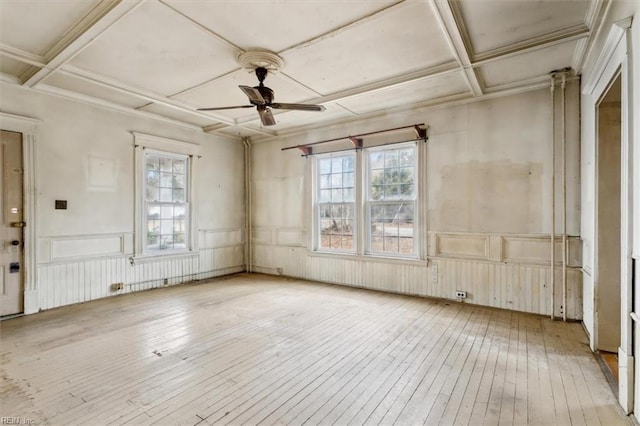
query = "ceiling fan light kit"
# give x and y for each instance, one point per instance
(261, 96)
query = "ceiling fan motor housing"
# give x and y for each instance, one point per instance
(267, 94)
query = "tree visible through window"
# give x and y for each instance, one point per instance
(392, 200)
(166, 201)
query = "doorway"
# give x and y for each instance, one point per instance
(11, 224)
(608, 224)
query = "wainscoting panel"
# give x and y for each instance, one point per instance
(82, 268)
(520, 281)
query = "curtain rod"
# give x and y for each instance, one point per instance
(420, 129)
(356, 148)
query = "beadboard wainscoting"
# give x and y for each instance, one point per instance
(503, 271)
(73, 269)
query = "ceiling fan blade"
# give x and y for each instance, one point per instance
(229, 107)
(266, 116)
(253, 94)
(299, 107)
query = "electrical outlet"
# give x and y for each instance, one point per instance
(166, 281)
(117, 286)
(434, 273)
(461, 294)
(279, 270)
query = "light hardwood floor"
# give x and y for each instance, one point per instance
(254, 349)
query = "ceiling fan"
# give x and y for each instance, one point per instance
(262, 98)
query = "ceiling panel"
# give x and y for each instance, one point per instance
(157, 49)
(274, 25)
(225, 92)
(95, 90)
(492, 24)
(407, 94)
(35, 26)
(11, 66)
(395, 42)
(538, 63)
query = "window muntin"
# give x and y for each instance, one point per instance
(336, 202)
(166, 206)
(391, 201)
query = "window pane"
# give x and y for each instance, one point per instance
(349, 195)
(324, 166)
(336, 180)
(166, 164)
(153, 162)
(336, 165)
(153, 193)
(376, 160)
(348, 180)
(336, 195)
(153, 211)
(325, 195)
(166, 180)
(392, 228)
(348, 163)
(166, 194)
(166, 185)
(325, 181)
(178, 195)
(166, 212)
(336, 226)
(391, 158)
(178, 181)
(179, 166)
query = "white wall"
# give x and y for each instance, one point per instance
(487, 207)
(85, 155)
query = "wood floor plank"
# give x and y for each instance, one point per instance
(255, 349)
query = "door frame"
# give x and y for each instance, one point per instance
(27, 127)
(615, 58)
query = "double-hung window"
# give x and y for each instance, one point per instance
(366, 201)
(336, 195)
(166, 202)
(391, 201)
(164, 196)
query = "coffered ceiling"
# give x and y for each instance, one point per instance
(358, 58)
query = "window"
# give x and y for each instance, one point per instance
(391, 201)
(164, 196)
(371, 193)
(336, 195)
(166, 201)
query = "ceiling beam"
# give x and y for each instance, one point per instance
(555, 38)
(452, 24)
(101, 18)
(22, 55)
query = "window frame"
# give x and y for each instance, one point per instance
(187, 203)
(317, 204)
(361, 218)
(144, 144)
(367, 202)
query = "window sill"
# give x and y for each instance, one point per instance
(369, 258)
(149, 257)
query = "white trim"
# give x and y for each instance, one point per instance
(142, 142)
(593, 81)
(615, 58)
(28, 127)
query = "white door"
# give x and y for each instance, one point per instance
(11, 224)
